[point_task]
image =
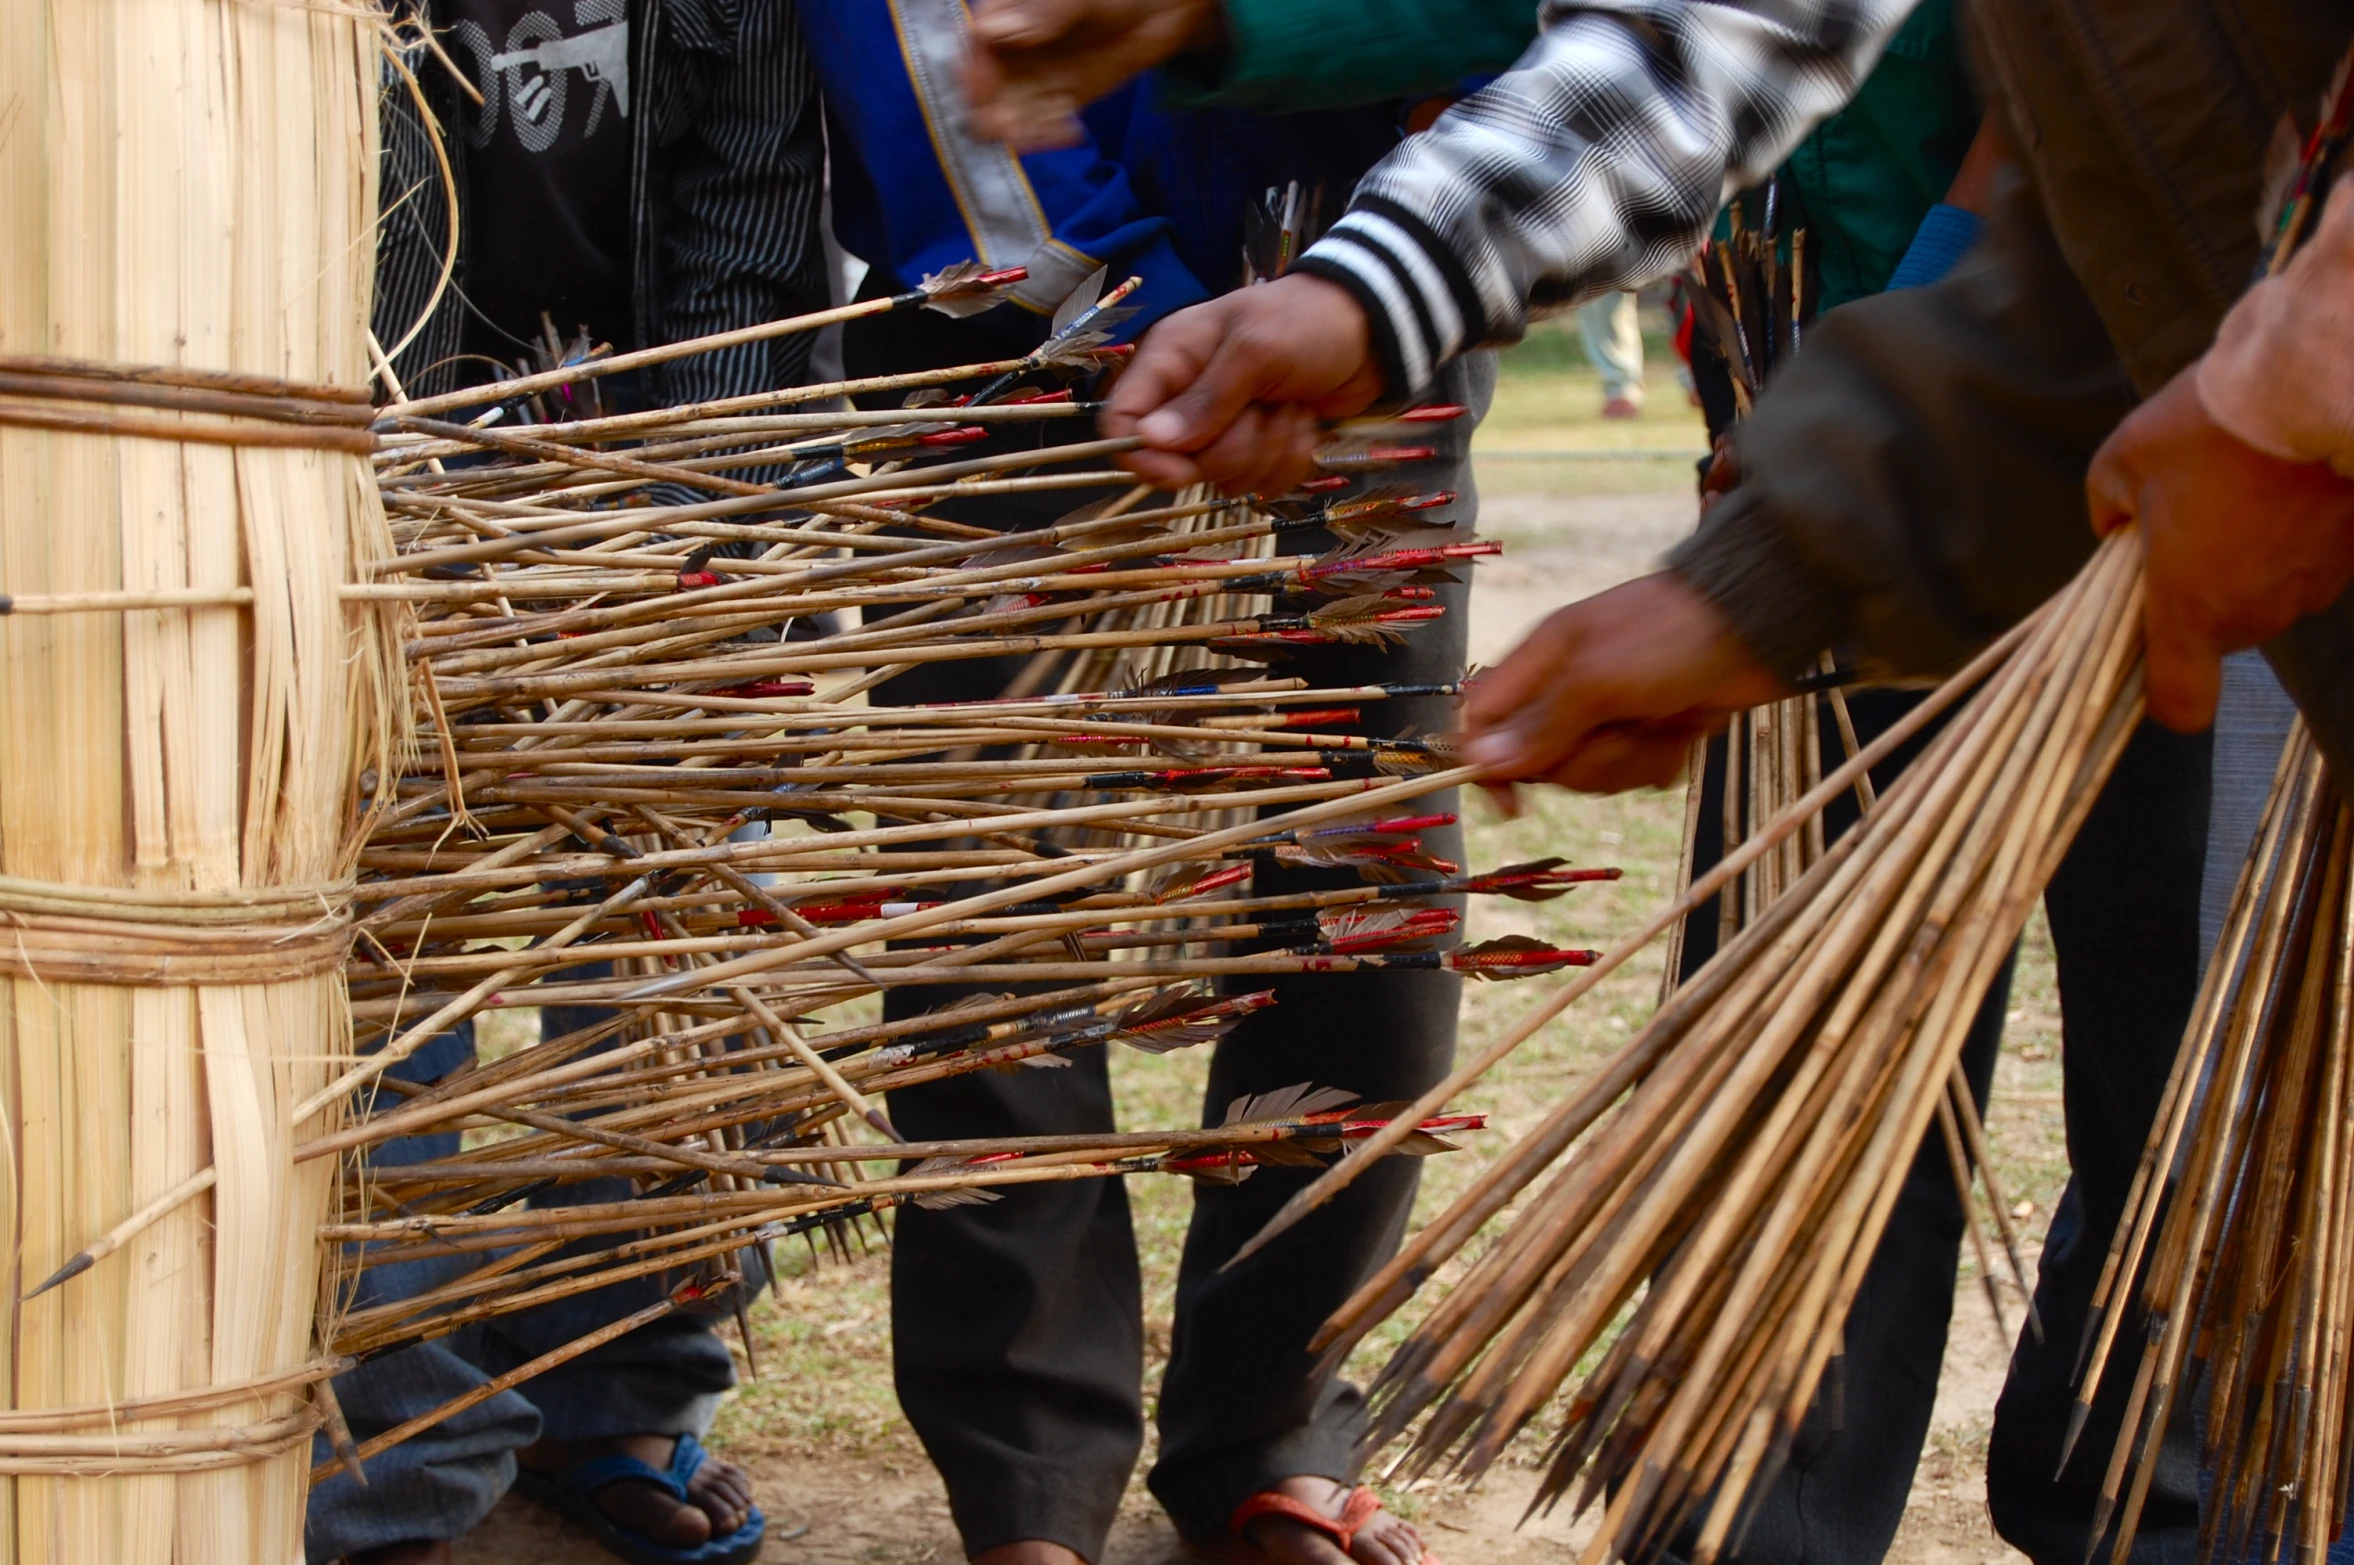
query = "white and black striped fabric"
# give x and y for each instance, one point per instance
(1596, 163)
(728, 173)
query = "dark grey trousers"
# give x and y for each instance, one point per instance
(1018, 1336)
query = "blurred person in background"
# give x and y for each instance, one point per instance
(1613, 339)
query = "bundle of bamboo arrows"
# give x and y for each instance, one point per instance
(1722, 1182)
(1753, 294)
(628, 709)
(655, 782)
(2240, 1236)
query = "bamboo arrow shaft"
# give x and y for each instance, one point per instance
(1341, 1175)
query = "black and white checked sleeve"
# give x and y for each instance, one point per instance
(1597, 162)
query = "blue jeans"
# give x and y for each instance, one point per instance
(2251, 724)
(664, 1378)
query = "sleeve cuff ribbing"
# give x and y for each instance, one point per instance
(1944, 237)
(1743, 562)
(1396, 384)
(1416, 295)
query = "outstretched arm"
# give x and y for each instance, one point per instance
(1912, 484)
(1597, 162)
(1035, 63)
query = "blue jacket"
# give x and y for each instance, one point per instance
(1151, 193)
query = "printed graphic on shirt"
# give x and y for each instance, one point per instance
(548, 236)
(535, 77)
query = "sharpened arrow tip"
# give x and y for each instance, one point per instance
(64, 1274)
(1292, 1211)
(2076, 1418)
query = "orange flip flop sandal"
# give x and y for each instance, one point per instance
(1363, 1505)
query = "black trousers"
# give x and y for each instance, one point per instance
(2124, 913)
(1018, 1342)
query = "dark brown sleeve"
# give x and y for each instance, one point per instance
(1914, 482)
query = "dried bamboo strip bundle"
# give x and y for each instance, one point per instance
(187, 200)
(1719, 1185)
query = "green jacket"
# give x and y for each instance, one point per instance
(1863, 180)
(1286, 56)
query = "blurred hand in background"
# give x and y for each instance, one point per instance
(1036, 63)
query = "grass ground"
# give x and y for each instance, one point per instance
(820, 1426)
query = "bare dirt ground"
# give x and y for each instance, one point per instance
(891, 1509)
(1562, 547)
(824, 1439)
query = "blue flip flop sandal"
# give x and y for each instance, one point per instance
(573, 1493)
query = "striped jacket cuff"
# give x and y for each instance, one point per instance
(1416, 296)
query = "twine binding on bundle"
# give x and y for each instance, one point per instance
(246, 410)
(97, 935)
(52, 1441)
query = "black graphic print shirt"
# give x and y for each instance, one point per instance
(548, 152)
(725, 162)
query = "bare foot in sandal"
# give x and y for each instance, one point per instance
(1377, 1537)
(719, 1495)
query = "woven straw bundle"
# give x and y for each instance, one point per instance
(186, 210)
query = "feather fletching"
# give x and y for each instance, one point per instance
(1293, 1102)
